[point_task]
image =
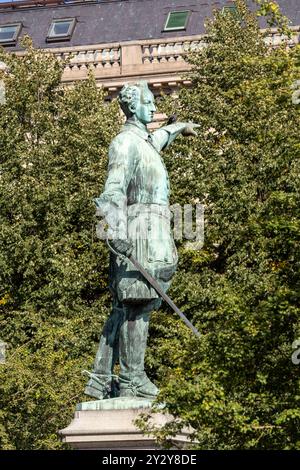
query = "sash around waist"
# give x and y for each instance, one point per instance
(134, 210)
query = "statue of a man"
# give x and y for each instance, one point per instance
(135, 204)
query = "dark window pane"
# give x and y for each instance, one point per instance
(177, 20)
(61, 28)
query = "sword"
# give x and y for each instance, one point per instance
(158, 289)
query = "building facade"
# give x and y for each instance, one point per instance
(120, 40)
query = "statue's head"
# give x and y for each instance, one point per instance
(137, 100)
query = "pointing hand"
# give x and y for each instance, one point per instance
(189, 129)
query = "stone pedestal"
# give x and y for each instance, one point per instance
(109, 424)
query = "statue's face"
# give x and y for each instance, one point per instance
(145, 107)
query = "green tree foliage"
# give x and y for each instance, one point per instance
(237, 386)
(53, 273)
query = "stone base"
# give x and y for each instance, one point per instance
(120, 403)
(109, 424)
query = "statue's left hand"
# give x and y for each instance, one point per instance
(189, 129)
(122, 245)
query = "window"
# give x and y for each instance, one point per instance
(176, 20)
(61, 30)
(9, 34)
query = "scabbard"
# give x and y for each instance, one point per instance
(163, 295)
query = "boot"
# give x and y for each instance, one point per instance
(132, 345)
(103, 383)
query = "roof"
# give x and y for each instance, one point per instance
(108, 21)
(291, 8)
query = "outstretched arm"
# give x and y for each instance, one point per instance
(164, 136)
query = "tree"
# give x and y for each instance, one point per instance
(237, 386)
(53, 273)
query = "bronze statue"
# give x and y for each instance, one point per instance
(135, 204)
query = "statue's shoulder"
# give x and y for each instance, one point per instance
(125, 133)
(125, 140)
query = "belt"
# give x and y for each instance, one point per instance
(148, 208)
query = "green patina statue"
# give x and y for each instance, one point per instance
(135, 204)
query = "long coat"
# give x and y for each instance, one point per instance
(135, 203)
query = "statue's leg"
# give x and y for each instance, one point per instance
(132, 345)
(101, 383)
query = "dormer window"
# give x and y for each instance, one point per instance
(230, 9)
(9, 34)
(61, 30)
(176, 20)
